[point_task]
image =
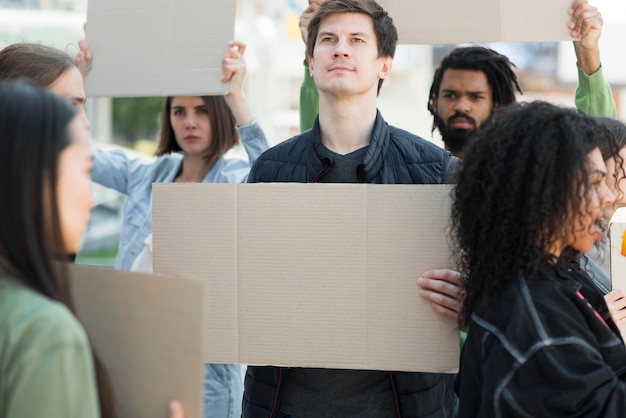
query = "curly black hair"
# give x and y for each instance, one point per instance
(521, 177)
(611, 149)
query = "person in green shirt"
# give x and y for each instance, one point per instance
(47, 366)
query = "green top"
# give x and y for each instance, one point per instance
(46, 366)
(593, 96)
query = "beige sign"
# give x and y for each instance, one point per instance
(458, 21)
(148, 332)
(313, 275)
(158, 47)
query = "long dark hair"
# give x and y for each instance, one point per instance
(610, 149)
(34, 130)
(520, 179)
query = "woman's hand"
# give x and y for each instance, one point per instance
(234, 72)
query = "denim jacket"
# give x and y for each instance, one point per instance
(134, 177)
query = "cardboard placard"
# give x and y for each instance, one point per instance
(312, 275)
(458, 21)
(158, 47)
(147, 330)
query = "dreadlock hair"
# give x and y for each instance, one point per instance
(497, 68)
(523, 180)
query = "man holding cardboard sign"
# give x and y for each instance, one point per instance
(350, 51)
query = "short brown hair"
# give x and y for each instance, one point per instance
(223, 129)
(384, 28)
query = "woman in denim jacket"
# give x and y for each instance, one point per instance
(196, 132)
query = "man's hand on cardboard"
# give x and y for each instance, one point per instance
(616, 301)
(444, 289)
(305, 17)
(586, 26)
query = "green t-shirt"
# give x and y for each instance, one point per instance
(594, 95)
(46, 366)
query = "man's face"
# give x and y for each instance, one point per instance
(463, 104)
(345, 60)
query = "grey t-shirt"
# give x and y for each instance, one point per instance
(333, 393)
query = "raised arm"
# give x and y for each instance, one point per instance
(234, 71)
(593, 93)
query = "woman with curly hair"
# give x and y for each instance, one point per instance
(531, 197)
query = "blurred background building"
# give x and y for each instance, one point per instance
(275, 55)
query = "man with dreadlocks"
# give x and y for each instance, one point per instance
(474, 82)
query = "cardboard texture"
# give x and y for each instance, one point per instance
(158, 47)
(617, 236)
(459, 21)
(147, 330)
(312, 275)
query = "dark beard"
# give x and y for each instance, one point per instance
(455, 140)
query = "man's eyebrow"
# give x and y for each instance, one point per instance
(326, 33)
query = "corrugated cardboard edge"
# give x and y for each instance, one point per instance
(147, 330)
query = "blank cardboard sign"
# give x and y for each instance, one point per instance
(312, 275)
(148, 332)
(458, 21)
(158, 47)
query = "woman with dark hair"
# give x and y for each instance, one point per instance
(47, 367)
(196, 132)
(531, 196)
(46, 363)
(597, 261)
